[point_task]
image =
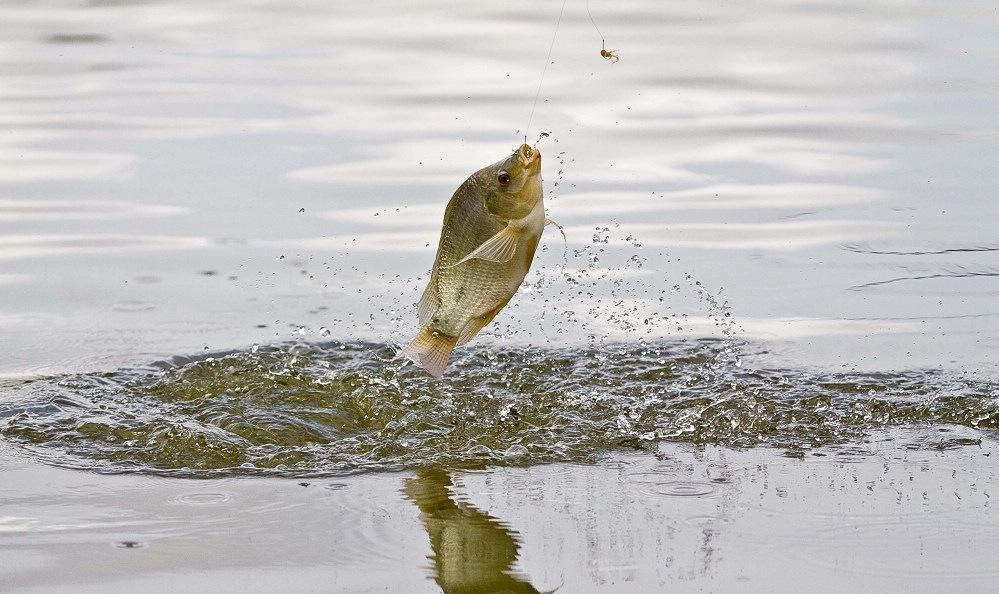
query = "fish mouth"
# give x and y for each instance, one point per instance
(530, 158)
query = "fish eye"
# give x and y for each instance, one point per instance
(503, 178)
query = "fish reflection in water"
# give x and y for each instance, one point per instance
(472, 551)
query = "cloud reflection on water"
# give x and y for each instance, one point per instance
(30, 246)
(719, 126)
(613, 203)
(325, 70)
(788, 235)
(58, 210)
(20, 165)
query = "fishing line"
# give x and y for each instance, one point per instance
(565, 242)
(594, 23)
(547, 61)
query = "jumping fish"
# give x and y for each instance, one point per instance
(491, 230)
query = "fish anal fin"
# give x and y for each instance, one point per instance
(430, 350)
(498, 248)
(475, 325)
(429, 304)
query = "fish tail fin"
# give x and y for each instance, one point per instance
(431, 350)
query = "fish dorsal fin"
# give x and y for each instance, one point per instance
(498, 248)
(429, 304)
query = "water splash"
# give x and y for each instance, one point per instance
(334, 408)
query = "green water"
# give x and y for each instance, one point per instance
(327, 409)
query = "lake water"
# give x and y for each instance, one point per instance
(770, 338)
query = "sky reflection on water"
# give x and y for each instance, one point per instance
(743, 145)
(181, 178)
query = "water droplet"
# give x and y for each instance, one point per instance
(516, 451)
(479, 450)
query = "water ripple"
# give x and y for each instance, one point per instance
(335, 408)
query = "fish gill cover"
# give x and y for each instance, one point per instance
(335, 408)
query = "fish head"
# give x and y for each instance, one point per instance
(514, 183)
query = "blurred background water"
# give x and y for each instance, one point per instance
(781, 238)
(179, 176)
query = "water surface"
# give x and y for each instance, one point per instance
(769, 338)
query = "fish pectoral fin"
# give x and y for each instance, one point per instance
(475, 325)
(498, 248)
(429, 304)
